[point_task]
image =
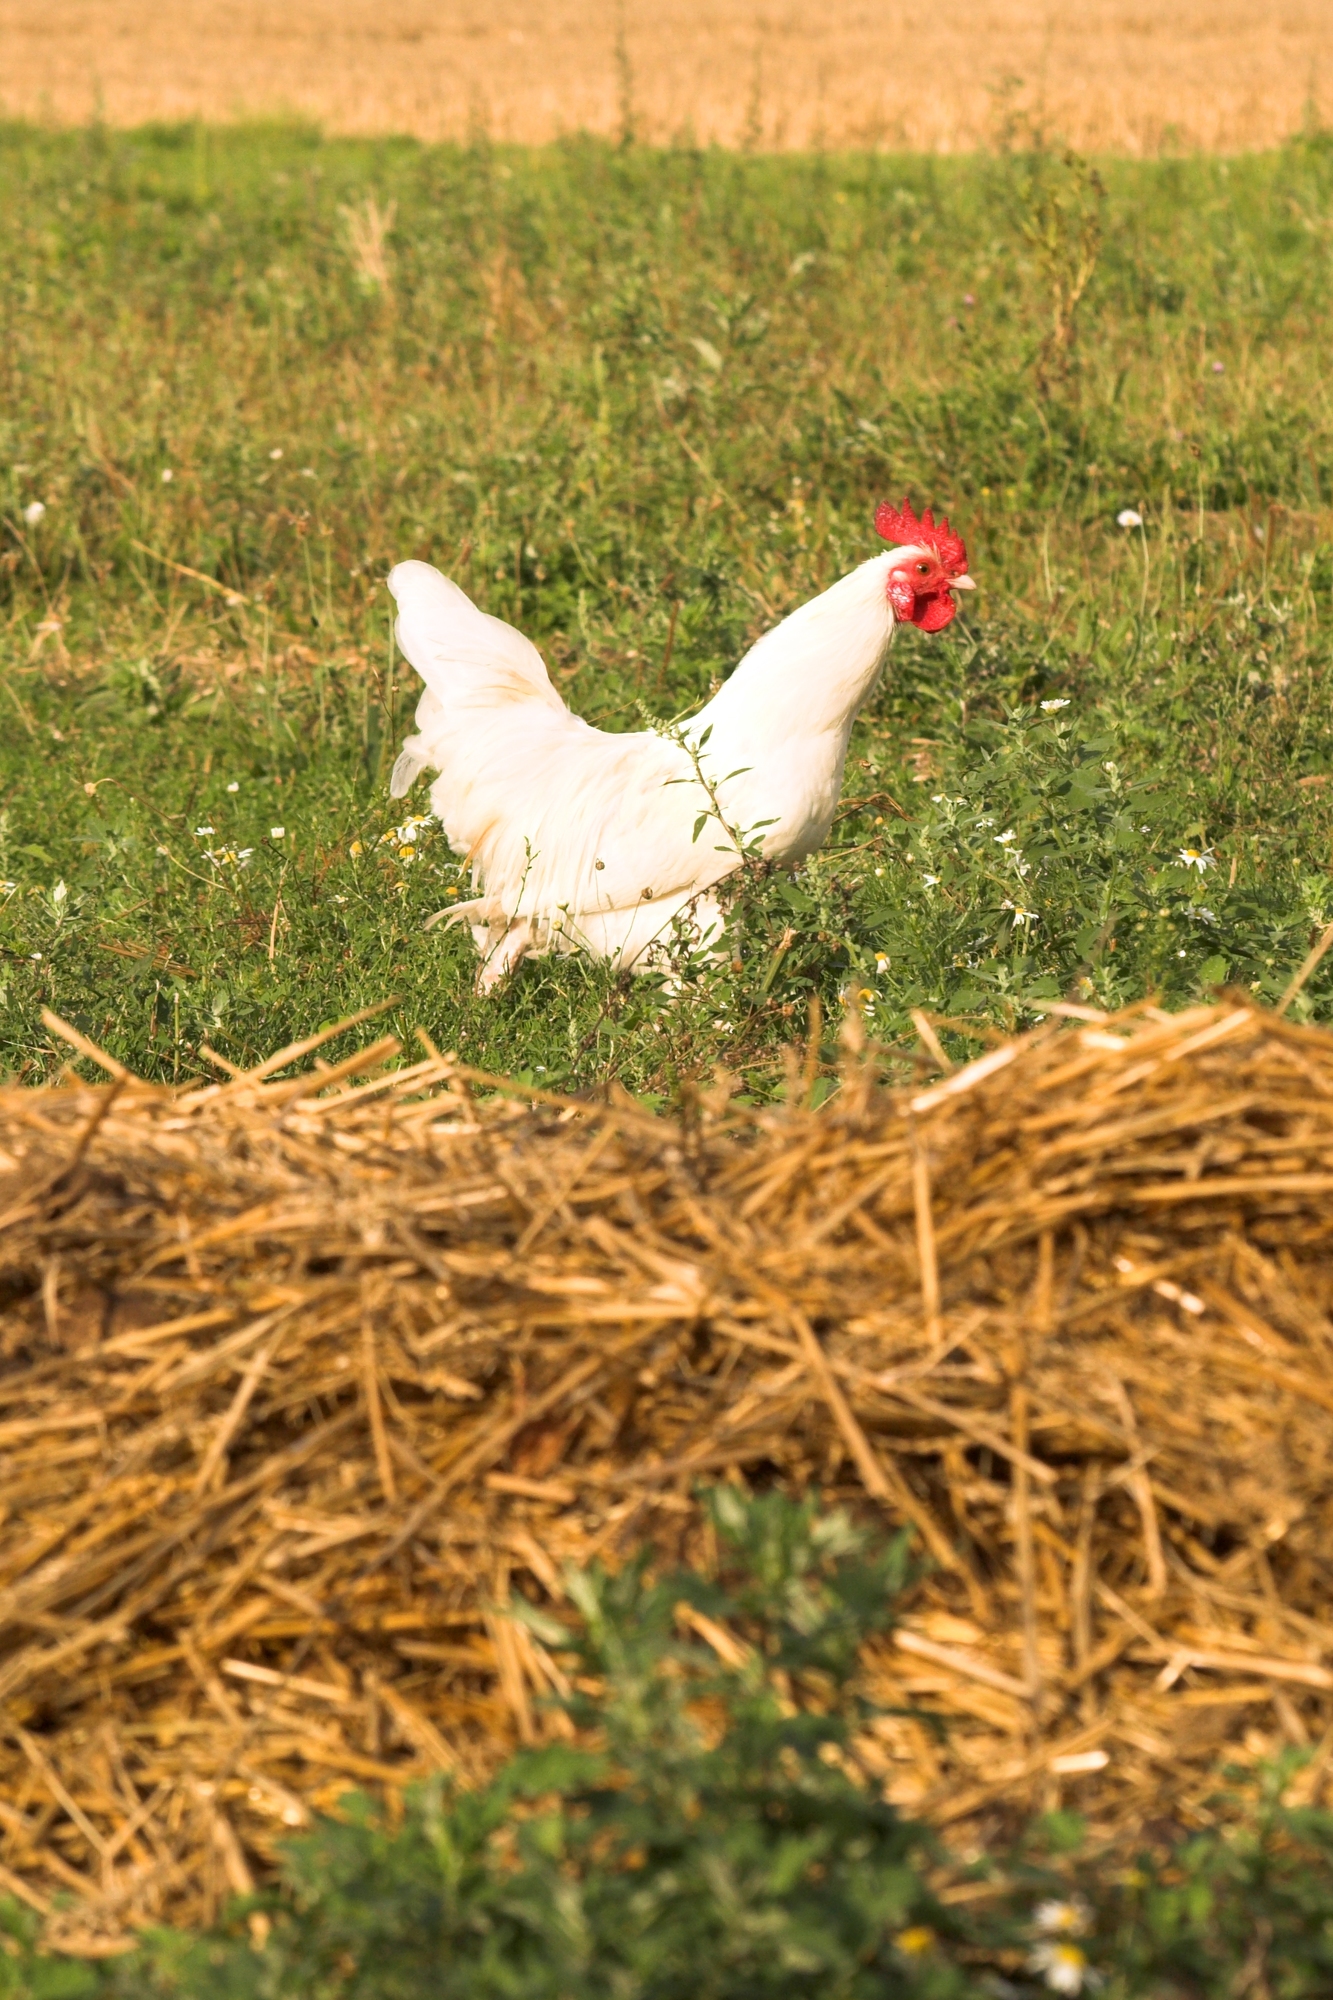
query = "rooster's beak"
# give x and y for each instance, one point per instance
(961, 583)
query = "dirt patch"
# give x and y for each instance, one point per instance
(1108, 75)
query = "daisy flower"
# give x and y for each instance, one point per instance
(1063, 1916)
(1063, 1965)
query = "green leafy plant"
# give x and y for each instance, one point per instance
(1063, 227)
(714, 1840)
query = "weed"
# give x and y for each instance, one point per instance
(1063, 224)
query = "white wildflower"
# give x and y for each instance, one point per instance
(930, 881)
(1196, 857)
(234, 786)
(405, 835)
(201, 831)
(167, 475)
(277, 832)
(1021, 916)
(58, 894)
(1068, 1916)
(309, 472)
(1127, 518)
(276, 451)
(1063, 1965)
(1050, 706)
(881, 961)
(34, 512)
(1003, 839)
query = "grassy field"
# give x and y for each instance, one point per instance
(643, 403)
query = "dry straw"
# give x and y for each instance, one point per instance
(308, 1373)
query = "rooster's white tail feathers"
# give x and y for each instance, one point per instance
(467, 659)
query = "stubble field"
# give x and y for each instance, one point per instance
(1111, 75)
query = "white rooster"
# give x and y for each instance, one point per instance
(579, 840)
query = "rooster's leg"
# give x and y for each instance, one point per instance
(504, 955)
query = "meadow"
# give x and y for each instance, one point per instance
(642, 403)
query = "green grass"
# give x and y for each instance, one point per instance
(642, 404)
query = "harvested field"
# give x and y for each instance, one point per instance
(1109, 76)
(304, 1377)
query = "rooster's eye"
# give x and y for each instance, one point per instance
(923, 569)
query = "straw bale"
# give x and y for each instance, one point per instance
(307, 1374)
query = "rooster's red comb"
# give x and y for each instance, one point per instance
(899, 525)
